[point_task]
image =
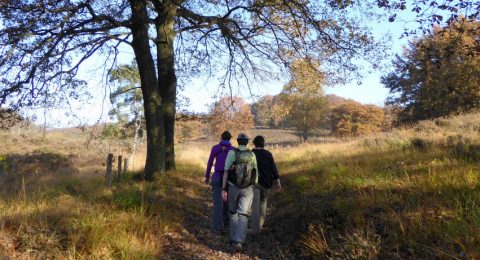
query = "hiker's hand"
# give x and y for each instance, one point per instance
(278, 186)
(207, 180)
(224, 195)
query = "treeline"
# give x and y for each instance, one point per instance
(325, 114)
(342, 117)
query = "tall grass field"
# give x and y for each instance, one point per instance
(412, 193)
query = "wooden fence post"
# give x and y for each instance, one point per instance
(109, 175)
(119, 170)
(125, 166)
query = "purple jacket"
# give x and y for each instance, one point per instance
(219, 155)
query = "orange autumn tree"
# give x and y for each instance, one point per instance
(230, 113)
(354, 119)
(303, 96)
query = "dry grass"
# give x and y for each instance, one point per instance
(53, 203)
(410, 193)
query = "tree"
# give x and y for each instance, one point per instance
(43, 43)
(269, 111)
(354, 119)
(261, 111)
(438, 74)
(430, 13)
(232, 114)
(304, 96)
(10, 118)
(127, 100)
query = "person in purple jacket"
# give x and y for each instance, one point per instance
(219, 154)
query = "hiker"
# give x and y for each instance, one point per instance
(267, 178)
(220, 208)
(241, 175)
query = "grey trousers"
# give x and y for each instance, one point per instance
(240, 203)
(259, 208)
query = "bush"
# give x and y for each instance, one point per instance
(420, 144)
(462, 148)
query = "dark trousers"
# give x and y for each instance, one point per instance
(220, 208)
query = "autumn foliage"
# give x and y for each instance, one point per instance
(230, 113)
(354, 119)
(304, 96)
(438, 74)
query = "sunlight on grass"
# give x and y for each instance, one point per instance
(409, 193)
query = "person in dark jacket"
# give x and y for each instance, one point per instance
(219, 154)
(267, 177)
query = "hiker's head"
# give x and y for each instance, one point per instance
(259, 141)
(226, 136)
(242, 139)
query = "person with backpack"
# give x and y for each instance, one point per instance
(241, 175)
(267, 177)
(219, 154)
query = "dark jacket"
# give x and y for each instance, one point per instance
(266, 167)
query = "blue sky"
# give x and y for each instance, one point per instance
(370, 91)
(202, 92)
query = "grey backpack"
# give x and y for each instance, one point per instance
(241, 174)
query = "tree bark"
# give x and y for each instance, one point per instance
(155, 163)
(167, 80)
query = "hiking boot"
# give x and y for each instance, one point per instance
(238, 247)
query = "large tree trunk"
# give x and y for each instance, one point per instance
(155, 163)
(167, 80)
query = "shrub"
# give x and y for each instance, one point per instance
(420, 144)
(462, 148)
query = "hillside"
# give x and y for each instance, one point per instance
(410, 193)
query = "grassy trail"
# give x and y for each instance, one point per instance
(194, 238)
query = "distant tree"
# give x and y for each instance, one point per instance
(355, 119)
(230, 113)
(335, 101)
(261, 111)
(10, 118)
(189, 129)
(127, 101)
(304, 97)
(269, 111)
(280, 111)
(439, 74)
(390, 117)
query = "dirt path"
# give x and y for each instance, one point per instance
(195, 240)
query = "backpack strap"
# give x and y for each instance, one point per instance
(236, 150)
